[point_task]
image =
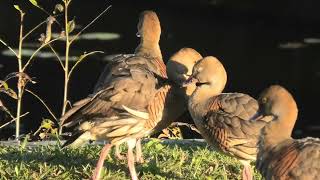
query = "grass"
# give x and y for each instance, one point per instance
(162, 161)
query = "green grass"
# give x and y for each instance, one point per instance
(161, 162)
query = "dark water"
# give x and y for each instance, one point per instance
(259, 43)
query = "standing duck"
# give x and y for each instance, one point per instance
(130, 80)
(225, 120)
(166, 104)
(280, 156)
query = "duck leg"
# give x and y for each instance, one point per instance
(118, 153)
(130, 155)
(139, 156)
(247, 173)
(103, 154)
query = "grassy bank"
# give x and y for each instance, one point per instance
(162, 161)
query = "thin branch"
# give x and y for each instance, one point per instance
(192, 127)
(7, 111)
(12, 120)
(20, 89)
(36, 51)
(57, 55)
(81, 58)
(88, 25)
(33, 29)
(4, 43)
(43, 103)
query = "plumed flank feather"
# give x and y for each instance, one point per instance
(140, 114)
(124, 131)
(78, 140)
(118, 122)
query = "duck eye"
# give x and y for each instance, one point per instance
(264, 100)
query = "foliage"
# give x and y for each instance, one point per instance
(45, 40)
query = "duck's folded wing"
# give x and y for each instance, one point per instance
(135, 87)
(123, 62)
(106, 75)
(230, 126)
(238, 104)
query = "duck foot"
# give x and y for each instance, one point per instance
(118, 154)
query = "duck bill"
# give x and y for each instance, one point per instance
(190, 80)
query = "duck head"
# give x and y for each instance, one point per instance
(208, 73)
(149, 28)
(276, 101)
(179, 67)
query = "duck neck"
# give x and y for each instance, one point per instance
(199, 100)
(280, 129)
(149, 48)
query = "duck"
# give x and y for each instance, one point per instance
(129, 79)
(167, 104)
(134, 124)
(227, 121)
(280, 156)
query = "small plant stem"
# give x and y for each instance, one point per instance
(66, 63)
(44, 104)
(11, 121)
(20, 89)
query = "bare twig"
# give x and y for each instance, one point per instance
(36, 51)
(88, 25)
(192, 127)
(33, 29)
(44, 104)
(4, 43)
(20, 90)
(81, 58)
(12, 120)
(57, 55)
(66, 63)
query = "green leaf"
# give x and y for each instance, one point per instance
(71, 26)
(47, 124)
(4, 84)
(17, 8)
(35, 3)
(11, 93)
